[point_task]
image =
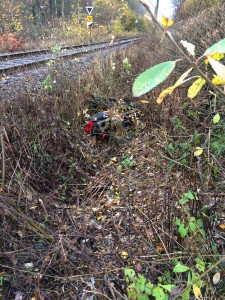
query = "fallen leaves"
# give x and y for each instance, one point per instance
(198, 151)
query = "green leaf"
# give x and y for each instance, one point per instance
(189, 195)
(202, 232)
(177, 222)
(167, 287)
(142, 297)
(159, 294)
(152, 77)
(129, 272)
(216, 119)
(186, 294)
(183, 201)
(216, 48)
(140, 284)
(192, 227)
(183, 231)
(132, 292)
(119, 168)
(199, 223)
(194, 277)
(148, 288)
(200, 265)
(179, 268)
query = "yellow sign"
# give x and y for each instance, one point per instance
(89, 19)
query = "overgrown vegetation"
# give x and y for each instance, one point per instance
(144, 219)
(34, 23)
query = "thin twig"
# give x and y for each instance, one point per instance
(3, 152)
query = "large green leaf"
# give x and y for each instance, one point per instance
(152, 77)
(180, 268)
(218, 47)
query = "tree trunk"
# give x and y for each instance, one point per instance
(63, 8)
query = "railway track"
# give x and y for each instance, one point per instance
(9, 62)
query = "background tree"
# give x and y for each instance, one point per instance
(187, 8)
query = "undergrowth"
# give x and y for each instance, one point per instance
(87, 220)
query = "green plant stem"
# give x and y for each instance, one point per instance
(190, 62)
(199, 277)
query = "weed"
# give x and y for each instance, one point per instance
(48, 83)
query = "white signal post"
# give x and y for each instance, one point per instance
(89, 10)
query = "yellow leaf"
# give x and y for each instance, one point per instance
(164, 93)
(101, 218)
(195, 88)
(189, 47)
(198, 151)
(124, 254)
(217, 80)
(182, 77)
(144, 101)
(218, 68)
(216, 56)
(166, 22)
(33, 298)
(197, 292)
(222, 226)
(170, 89)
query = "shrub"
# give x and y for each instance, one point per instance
(10, 42)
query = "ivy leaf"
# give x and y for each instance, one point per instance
(179, 268)
(152, 77)
(195, 88)
(216, 118)
(218, 68)
(218, 47)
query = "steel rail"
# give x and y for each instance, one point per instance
(10, 55)
(27, 59)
